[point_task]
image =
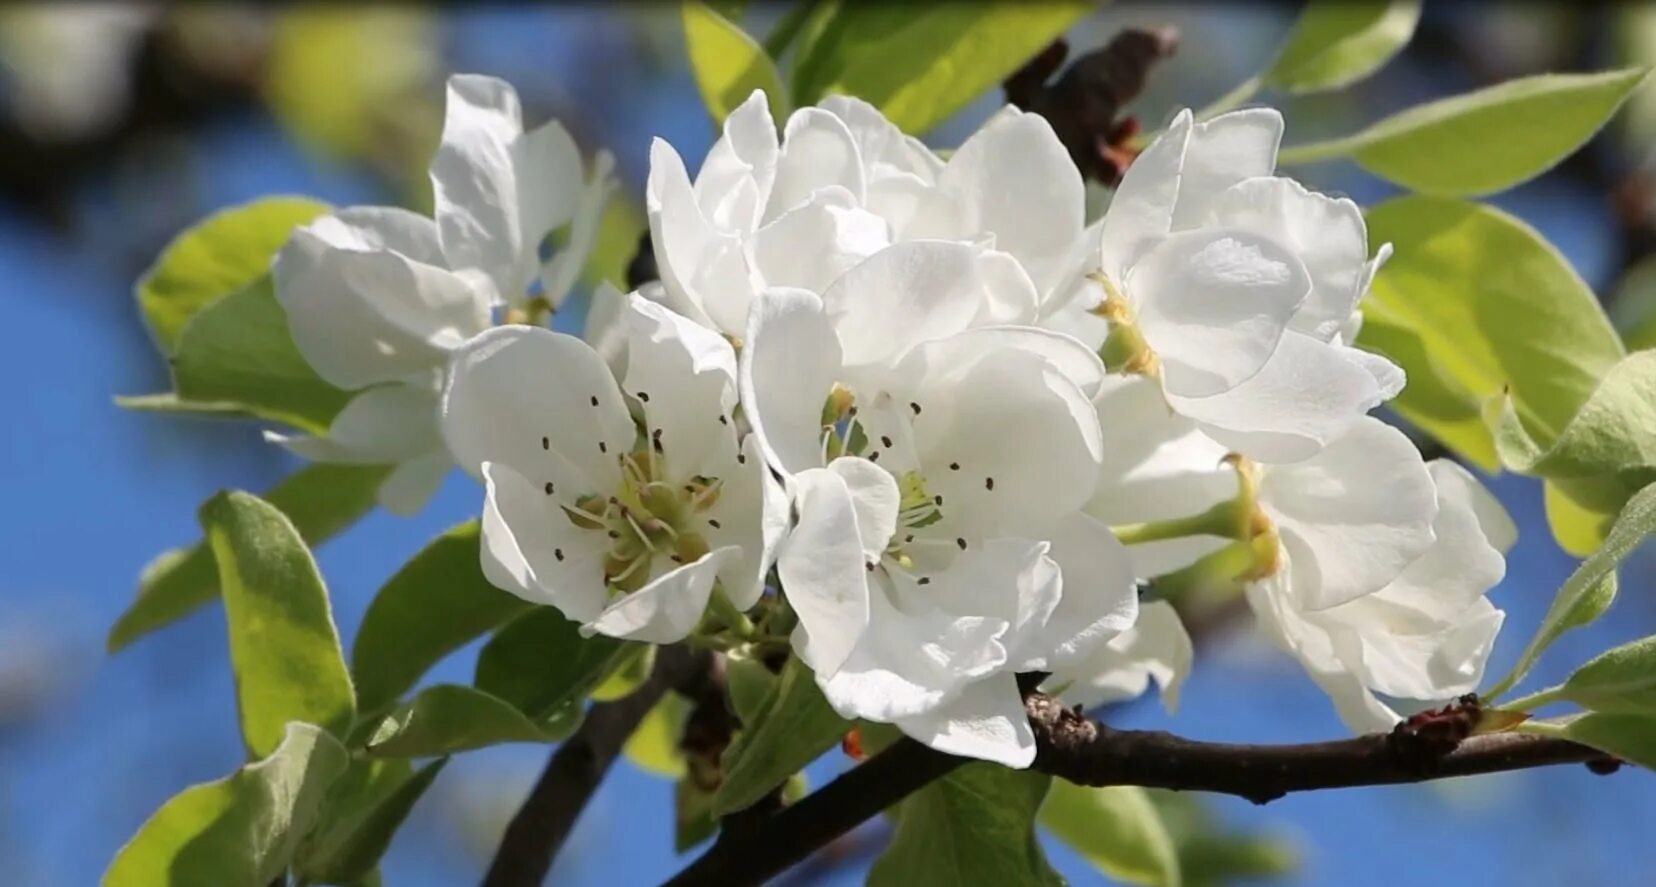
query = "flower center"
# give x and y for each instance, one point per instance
(648, 516)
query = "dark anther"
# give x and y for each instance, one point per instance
(923, 580)
(869, 565)
(938, 499)
(713, 523)
(741, 458)
(954, 466)
(851, 411)
(989, 484)
(644, 397)
(915, 407)
(874, 456)
(548, 488)
(595, 400)
(546, 443)
(603, 447)
(961, 543)
(885, 441)
(1084, 104)
(615, 534)
(723, 419)
(557, 553)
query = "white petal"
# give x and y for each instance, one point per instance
(1456, 486)
(735, 180)
(413, 482)
(1326, 233)
(1007, 579)
(606, 327)
(1213, 305)
(911, 661)
(703, 269)
(823, 573)
(497, 192)
(902, 295)
(1156, 647)
(1066, 354)
(1011, 295)
(752, 512)
(684, 376)
(541, 402)
(1361, 711)
(665, 609)
(523, 534)
(1308, 394)
(884, 147)
(1223, 151)
(875, 498)
(1141, 211)
(1100, 599)
(1353, 516)
(789, 363)
(382, 425)
(368, 315)
(986, 721)
(1012, 179)
(1024, 437)
(817, 152)
(564, 268)
(814, 243)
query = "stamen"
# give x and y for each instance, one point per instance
(642, 536)
(546, 443)
(714, 523)
(915, 407)
(954, 466)
(961, 543)
(603, 447)
(595, 400)
(643, 397)
(548, 488)
(631, 569)
(558, 553)
(989, 484)
(923, 580)
(885, 441)
(874, 456)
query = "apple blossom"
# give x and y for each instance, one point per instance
(1230, 286)
(843, 182)
(629, 527)
(937, 494)
(1157, 648)
(378, 297)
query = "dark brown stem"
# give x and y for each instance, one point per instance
(1074, 747)
(540, 826)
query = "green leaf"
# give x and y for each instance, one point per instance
(223, 253)
(240, 830)
(1118, 829)
(448, 718)
(694, 820)
(1630, 737)
(1494, 305)
(1574, 512)
(283, 645)
(363, 813)
(239, 351)
(1484, 141)
(434, 605)
(749, 683)
(974, 826)
(920, 63)
(630, 669)
(1614, 431)
(170, 403)
(793, 727)
(320, 500)
(728, 64)
(1591, 588)
(1432, 401)
(654, 746)
(1618, 681)
(540, 663)
(1633, 305)
(1338, 42)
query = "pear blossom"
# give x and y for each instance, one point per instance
(843, 182)
(1426, 635)
(1231, 286)
(937, 469)
(377, 298)
(1157, 648)
(626, 526)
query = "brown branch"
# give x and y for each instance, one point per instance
(1083, 751)
(578, 765)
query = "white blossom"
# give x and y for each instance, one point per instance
(1157, 648)
(626, 526)
(377, 298)
(938, 519)
(841, 183)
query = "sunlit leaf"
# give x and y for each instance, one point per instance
(364, 811)
(449, 718)
(728, 64)
(1117, 828)
(540, 663)
(1337, 42)
(1618, 681)
(974, 826)
(793, 727)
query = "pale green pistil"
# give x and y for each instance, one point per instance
(647, 517)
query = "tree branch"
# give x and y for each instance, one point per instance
(1074, 747)
(578, 765)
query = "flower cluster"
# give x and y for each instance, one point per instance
(914, 418)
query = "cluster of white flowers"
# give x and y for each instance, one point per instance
(917, 411)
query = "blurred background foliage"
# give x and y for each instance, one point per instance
(122, 124)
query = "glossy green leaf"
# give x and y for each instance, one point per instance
(437, 603)
(364, 811)
(1617, 681)
(626, 673)
(1582, 511)
(1614, 431)
(239, 351)
(1484, 141)
(1629, 737)
(1337, 42)
(1494, 305)
(284, 648)
(1432, 401)
(974, 826)
(749, 683)
(447, 718)
(539, 662)
(654, 746)
(320, 500)
(1591, 588)
(1118, 829)
(920, 63)
(793, 727)
(240, 830)
(222, 254)
(728, 64)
